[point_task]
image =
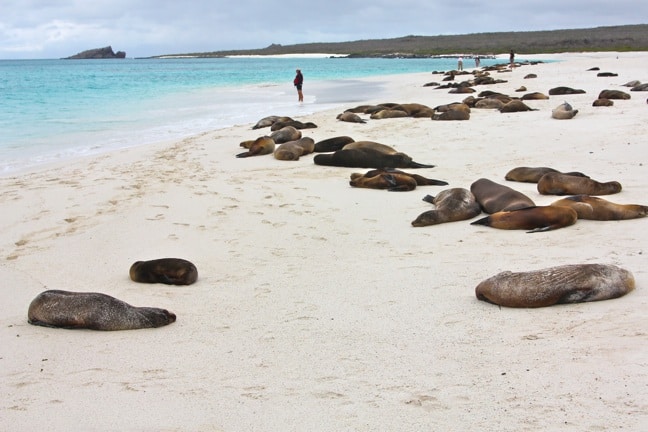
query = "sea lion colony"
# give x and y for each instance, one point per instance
(506, 208)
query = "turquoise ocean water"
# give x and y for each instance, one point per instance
(56, 109)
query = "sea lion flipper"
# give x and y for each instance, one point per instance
(243, 155)
(419, 165)
(429, 199)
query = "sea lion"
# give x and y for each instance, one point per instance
(455, 106)
(531, 75)
(494, 197)
(366, 158)
(348, 116)
(269, 121)
(415, 109)
(292, 150)
(640, 87)
(260, 146)
(534, 96)
(462, 90)
(515, 105)
(388, 113)
(595, 208)
(563, 184)
(575, 283)
(534, 219)
(455, 204)
(170, 271)
(489, 103)
(633, 83)
(452, 115)
(603, 103)
(332, 144)
(613, 94)
(564, 111)
(294, 123)
(559, 91)
(286, 134)
(607, 74)
(521, 89)
(533, 174)
(94, 311)
(392, 179)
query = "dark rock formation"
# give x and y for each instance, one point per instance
(98, 53)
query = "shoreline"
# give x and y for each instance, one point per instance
(318, 306)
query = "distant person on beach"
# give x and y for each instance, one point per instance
(460, 64)
(298, 82)
(477, 61)
(512, 58)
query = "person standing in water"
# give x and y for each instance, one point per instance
(298, 82)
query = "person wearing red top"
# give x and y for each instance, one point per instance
(298, 81)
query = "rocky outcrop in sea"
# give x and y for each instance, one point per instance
(98, 53)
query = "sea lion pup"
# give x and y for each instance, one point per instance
(494, 197)
(94, 311)
(332, 144)
(533, 174)
(564, 111)
(348, 116)
(269, 121)
(170, 271)
(563, 184)
(533, 219)
(292, 150)
(613, 94)
(575, 283)
(515, 105)
(286, 134)
(455, 204)
(366, 157)
(595, 208)
(534, 96)
(603, 103)
(294, 123)
(392, 179)
(558, 91)
(260, 146)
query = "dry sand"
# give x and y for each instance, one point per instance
(319, 307)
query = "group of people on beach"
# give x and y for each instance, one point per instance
(477, 61)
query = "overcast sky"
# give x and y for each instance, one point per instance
(60, 28)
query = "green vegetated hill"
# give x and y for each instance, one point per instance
(616, 38)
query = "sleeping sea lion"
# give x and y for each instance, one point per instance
(332, 144)
(294, 123)
(392, 179)
(260, 146)
(515, 105)
(603, 103)
(94, 311)
(564, 111)
(494, 197)
(533, 174)
(533, 219)
(574, 283)
(595, 208)
(388, 114)
(350, 117)
(366, 157)
(613, 94)
(562, 90)
(452, 115)
(534, 96)
(269, 121)
(562, 184)
(455, 204)
(292, 150)
(170, 271)
(286, 134)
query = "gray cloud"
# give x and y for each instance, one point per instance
(58, 28)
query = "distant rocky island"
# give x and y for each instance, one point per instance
(98, 53)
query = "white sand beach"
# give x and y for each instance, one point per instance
(318, 306)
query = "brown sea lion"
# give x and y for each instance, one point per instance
(521, 89)
(576, 283)
(632, 83)
(640, 87)
(494, 197)
(603, 103)
(489, 103)
(269, 121)
(286, 134)
(350, 117)
(367, 158)
(534, 219)
(455, 106)
(534, 96)
(613, 94)
(293, 150)
(563, 184)
(531, 75)
(607, 74)
(294, 123)
(170, 271)
(452, 115)
(533, 174)
(260, 146)
(558, 91)
(388, 113)
(564, 111)
(94, 311)
(392, 179)
(515, 105)
(415, 109)
(332, 144)
(455, 204)
(595, 208)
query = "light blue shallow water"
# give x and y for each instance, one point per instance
(57, 109)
